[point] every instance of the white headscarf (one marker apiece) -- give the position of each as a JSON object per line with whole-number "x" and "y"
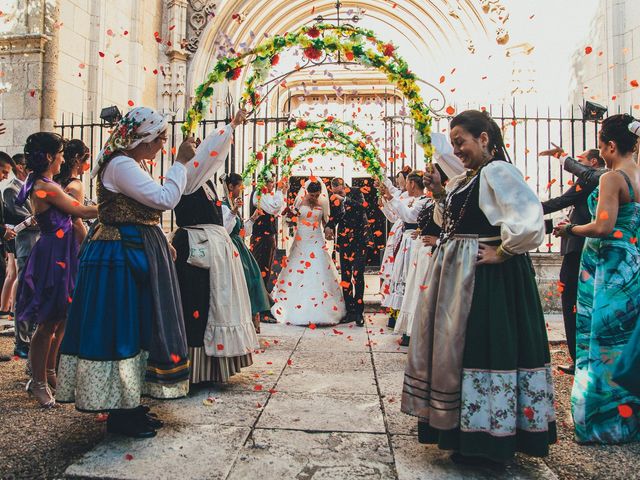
{"x": 139, "y": 125}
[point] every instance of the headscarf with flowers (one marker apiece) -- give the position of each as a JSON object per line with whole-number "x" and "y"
{"x": 139, "y": 125}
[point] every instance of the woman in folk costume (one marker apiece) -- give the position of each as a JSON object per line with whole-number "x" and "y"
{"x": 395, "y": 234}
{"x": 215, "y": 300}
{"x": 478, "y": 375}
{"x": 425, "y": 238}
{"x": 605, "y": 408}
{"x": 125, "y": 334}
{"x": 408, "y": 210}
{"x": 258, "y": 295}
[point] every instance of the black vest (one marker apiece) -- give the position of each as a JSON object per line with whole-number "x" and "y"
{"x": 472, "y": 220}
{"x": 198, "y": 209}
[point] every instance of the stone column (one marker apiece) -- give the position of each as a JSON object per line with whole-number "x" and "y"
{"x": 175, "y": 68}
{"x": 28, "y": 62}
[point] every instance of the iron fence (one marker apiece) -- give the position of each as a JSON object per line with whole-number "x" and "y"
{"x": 526, "y": 133}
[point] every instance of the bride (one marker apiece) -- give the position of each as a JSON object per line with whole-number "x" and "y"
{"x": 308, "y": 289}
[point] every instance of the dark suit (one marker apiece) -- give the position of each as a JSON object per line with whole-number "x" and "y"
{"x": 571, "y": 246}
{"x": 25, "y": 240}
{"x": 353, "y": 235}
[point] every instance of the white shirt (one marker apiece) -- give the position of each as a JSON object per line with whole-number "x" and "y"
{"x": 408, "y": 208}
{"x": 123, "y": 175}
{"x": 209, "y": 158}
{"x": 271, "y": 203}
{"x": 228, "y": 219}
{"x": 508, "y": 202}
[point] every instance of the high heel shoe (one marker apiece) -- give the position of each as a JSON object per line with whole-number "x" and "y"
{"x": 52, "y": 380}
{"x": 41, "y": 392}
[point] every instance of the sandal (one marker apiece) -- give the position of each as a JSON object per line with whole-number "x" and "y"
{"x": 41, "y": 392}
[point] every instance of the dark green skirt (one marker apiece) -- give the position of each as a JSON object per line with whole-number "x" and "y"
{"x": 260, "y": 300}
{"x": 507, "y": 388}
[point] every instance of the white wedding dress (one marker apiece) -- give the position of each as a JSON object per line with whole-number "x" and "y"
{"x": 308, "y": 288}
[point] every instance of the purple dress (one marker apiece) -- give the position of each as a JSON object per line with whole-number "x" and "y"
{"x": 46, "y": 283}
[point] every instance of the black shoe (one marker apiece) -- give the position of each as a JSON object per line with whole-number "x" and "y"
{"x": 152, "y": 419}
{"x": 359, "y": 320}
{"x": 348, "y": 318}
{"x": 129, "y": 424}
{"x": 21, "y": 351}
{"x": 404, "y": 342}
{"x": 568, "y": 369}
{"x": 459, "y": 459}
{"x": 392, "y": 322}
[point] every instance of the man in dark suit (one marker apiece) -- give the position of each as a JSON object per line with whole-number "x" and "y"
{"x": 349, "y": 219}
{"x": 6, "y": 164}
{"x": 588, "y": 169}
{"x": 24, "y": 241}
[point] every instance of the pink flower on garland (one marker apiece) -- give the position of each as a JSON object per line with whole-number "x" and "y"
{"x": 388, "y": 50}
{"x": 289, "y": 143}
{"x": 275, "y": 60}
{"x": 301, "y": 124}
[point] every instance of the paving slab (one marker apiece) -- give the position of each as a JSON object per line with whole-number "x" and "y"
{"x": 387, "y": 342}
{"x": 278, "y": 342}
{"x": 323, "y": 412}
{"x": 208, "y": 406}
{"x": 281, "y": 330}
{"x": 387, "y": 362}
{"x": 331, "y": 362}
{"x": 415, "y": 461}
{"x": 390, "y": 383}
{"x": 196, "y": 451}
{"x": 281, "y": 454}
{"x": 360, "y": 382}
{"x": 269, "y": 360}
{"x": 329, "y": 344}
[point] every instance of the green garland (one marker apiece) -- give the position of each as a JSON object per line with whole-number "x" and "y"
{"x": 354, "y": 43}
{"x": 354, "y": 143}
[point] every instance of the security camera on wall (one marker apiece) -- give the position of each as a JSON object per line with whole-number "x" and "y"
{"x": 593, "y": 111}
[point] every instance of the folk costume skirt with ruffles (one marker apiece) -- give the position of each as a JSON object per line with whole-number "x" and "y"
{"x": 125, "y": 335}
{"x": 217, "y": 309}
{"x": 478, "y": 375}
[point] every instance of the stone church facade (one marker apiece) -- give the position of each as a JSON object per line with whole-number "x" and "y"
{"x": 71, "y": 58}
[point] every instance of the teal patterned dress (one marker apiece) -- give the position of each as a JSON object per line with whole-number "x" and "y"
{"x": 260, "y": 300}
{"x": 608, "y": 309}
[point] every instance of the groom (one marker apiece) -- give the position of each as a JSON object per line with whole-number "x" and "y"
{"x": 349, "y": 220}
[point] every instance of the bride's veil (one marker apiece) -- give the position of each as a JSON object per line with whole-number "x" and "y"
{"x": 323, "y": 200}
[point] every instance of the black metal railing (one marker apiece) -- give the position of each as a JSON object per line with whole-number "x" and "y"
{"x": 526, "y": 133}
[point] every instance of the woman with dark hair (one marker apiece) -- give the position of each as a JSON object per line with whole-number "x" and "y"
{"x": 478, "y": 375}
{"x": 48, "y": 278}
{"x": 125, "y": 335}
{"x": 76, "y": 155}
{"x": 308, "y": 289}
{"x": 608, "y": 305}
{"x": 258, "y": 295}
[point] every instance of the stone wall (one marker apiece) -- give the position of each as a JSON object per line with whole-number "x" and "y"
{"x": 547, "y": 267}
{"x": 607, "y": 72}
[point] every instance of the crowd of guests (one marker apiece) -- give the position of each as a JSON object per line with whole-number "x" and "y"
{"x": 122, "y": 311}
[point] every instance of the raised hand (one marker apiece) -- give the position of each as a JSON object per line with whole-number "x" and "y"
{"x": 556, "y": 151}
{"x": 239, "y": 118}
{"x": 187, "y": 150}
{"x": 432, "y": 179}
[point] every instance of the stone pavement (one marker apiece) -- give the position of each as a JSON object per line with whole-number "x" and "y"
{"x": 318, "y": 403}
